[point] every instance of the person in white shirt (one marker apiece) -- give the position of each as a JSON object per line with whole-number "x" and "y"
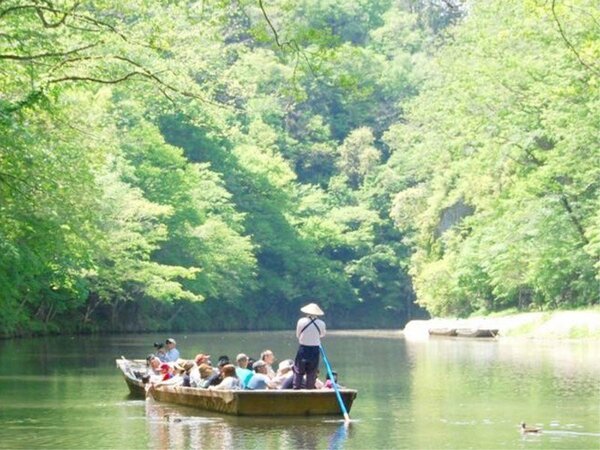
{"x": 172, "y": 376}
{"x": 230, "y": 379}
{"x": 285, "y": 374}
{"x": 309, "y": 332}
{"x": 154, "y": 366}
{"x": 269, "y": 358}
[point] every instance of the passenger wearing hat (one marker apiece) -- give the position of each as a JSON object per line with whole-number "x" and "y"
{"x": 284, "y": 377}
{"x": 260, "y": 379}
{"x": 172, "y": 354}
{"x": 172, "y": 375}
{"x": 217, "y": 375}
{"x": 202, "y": 358}
{"x": 242, "y": 370}
{"x": 190, "y": 373}
{"x": 309, "y": 332}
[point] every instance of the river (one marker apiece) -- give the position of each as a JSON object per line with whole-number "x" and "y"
{"x": 65, "y": 393}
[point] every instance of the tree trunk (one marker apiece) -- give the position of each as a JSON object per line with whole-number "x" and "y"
{"x": 93, "y": 302}
{"x": 176, "y": 313}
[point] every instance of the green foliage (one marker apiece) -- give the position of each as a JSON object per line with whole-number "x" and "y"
{"x": 504, "y": 201}
{"x": 47, "y": 196}
{"x": 358, "y": 156}
{"x": 186, "y": 165}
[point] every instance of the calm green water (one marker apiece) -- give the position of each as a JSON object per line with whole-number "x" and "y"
{"x": 441, "y": 394}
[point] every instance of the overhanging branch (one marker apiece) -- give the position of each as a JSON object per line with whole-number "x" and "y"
{"x": 46, "y": 55}
{"x": 568, "y": 42}
{"x": 96, "y": 80}
{"x": 47, "y": 24}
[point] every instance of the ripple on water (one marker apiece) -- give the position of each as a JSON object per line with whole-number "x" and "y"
{"x": 136, "y": 403}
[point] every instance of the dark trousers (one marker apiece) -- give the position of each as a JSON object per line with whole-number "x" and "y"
{"x": 306, "y": 363}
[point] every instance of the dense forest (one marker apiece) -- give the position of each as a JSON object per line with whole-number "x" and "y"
{"x": 214, "y": 165}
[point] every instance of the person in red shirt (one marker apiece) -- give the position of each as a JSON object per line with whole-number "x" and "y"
{"x": 167, "y": 371}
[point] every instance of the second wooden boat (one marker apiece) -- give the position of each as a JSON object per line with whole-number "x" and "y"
{"x": 477, "y": 332}
{"x": 442, "y": 331}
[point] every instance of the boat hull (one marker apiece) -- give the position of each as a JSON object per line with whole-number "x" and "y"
{"x": 285, "y": 402}
{"x": 476, "y": 332}
{"x": 136, "y": 388}
{"x": 258, "y": 403}
{"x": 442, "y": 331}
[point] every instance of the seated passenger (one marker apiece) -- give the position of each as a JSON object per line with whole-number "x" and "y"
{"x": 329, "y": 384}
{"x": 201, "y": 358}
{"x": 217, "y": 376}
{"x": 189, "y": 367}
{"x": 167, "y": 371}
{"x": 194, "y": 373}
{"x": 260, "y": 379}
{"x": 171, "y": 377}
{"x": 206, "y": 372}
{"x": 230, "y": 380}
{"x": 154, "y": 371}
{"x": 269, "y": 358}
{"x": 318, "y": 383}
{"x": 242, "y": 370}
{"x": 153, "y": 364}
{"x": 250, "y": 367}
{"x": 284, "y": 377}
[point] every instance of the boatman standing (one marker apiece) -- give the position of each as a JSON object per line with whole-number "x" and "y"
{"x": 309, "y": 331}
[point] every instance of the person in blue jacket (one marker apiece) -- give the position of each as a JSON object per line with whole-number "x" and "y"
{"x": 172, "y": 354}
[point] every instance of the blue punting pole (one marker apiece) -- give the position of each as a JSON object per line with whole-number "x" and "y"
{"x": 335, "y": 387}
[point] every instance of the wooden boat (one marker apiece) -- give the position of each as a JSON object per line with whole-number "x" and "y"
{"x": 442, "y": 331}
{"x": 133, "y": 370}
{"x": 241, "y": 402}
{"x": 477, "y": 332}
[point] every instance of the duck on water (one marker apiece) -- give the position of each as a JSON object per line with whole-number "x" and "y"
{"x": 529, "y": 430}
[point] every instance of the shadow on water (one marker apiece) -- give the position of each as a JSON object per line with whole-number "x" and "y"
{"x": 174, "y": 426}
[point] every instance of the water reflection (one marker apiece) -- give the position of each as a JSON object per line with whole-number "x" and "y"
{"x": 443, "y": 393}
{"x": 171, "y": 427}
{"x": 338, "y": 438}
{"x": 178, "y": 427}
{"x": 562, "y": 356}
{"x": 480, "y": 390}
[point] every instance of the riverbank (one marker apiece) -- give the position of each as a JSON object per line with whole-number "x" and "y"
{"x": 578, "y": 324}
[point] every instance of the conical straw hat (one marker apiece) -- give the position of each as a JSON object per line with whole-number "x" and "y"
{"x": 312, "y": 309}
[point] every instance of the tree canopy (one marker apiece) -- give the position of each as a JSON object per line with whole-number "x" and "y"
{"x": 215, "y": 165}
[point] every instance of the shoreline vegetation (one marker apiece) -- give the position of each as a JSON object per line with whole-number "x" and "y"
{"x": 389, "y": 160}
{"x": 571, "y": 324}
{"x": 581, "y": 324}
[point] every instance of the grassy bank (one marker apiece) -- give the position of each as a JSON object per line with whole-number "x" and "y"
{"x": 574, "y": 324}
